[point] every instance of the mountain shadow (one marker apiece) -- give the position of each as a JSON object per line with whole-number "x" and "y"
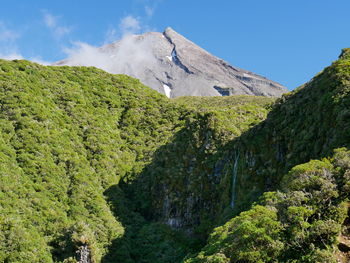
{"x": 195, "y": 183}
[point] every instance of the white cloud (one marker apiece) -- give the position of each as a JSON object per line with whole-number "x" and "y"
{"x": 130, "y": 25}
{"x": 39, "y": 60}
{"x": 149, "y": 10}
{"x": 131, "y": 52}
{"x": 51, "y": 22}
{"x": 8, "y": 47}
{"x": 11, "y": 56}
{"x": 7, "y": 35}
{"x": 15, "y": 55}
{"x": 150, "y": 6}
{"x": 111, "y": 36}
{"x": 61, "y": 31}
{"x": 124, "y": 58}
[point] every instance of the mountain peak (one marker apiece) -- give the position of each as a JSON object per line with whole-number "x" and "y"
{"x": 169, "y": 29}
{"x": 173, "y": 65}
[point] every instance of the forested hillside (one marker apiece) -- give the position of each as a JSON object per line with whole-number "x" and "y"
{"x": 98, "y": 166}
{"x": 301, "y": 220}
{"x": 68, "y": 136}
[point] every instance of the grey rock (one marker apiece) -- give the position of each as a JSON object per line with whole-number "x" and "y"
{"x": 174, "y": 66}
{"x": 84, "y": 254}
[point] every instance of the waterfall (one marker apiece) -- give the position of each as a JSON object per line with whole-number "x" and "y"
{"x": 84, "y": 254}
{"x": 234, "y": 178}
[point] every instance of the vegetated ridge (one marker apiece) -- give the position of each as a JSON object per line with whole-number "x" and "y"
{"x": 68, "y": 136}
{"x": 98, "y": 167}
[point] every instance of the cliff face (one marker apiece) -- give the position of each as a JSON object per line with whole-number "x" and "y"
{"x": 308, "y": 198}
{"x": 303, "y": 125}
{"x": 174, "y": 66}
{"x": 195, "y": 167}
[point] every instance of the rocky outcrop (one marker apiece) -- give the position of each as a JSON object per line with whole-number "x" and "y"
{"x": 84, "y": 254}
{"x": 175, "y": 66}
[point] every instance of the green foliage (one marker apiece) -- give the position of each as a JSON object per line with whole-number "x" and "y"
{"x": 67, "y": 134}
{"x": 93, "y": 159}
{"x": 70, "y": 134}
{"x": 20, "y": 243}
{"x": 160, "y": 244}
{"x": 305, "y": 124}
{"x": 345, "y": 53}
{"x": 251, "y": 237}
{"x": 299, "y": 224}
{"x": 184, "y": 175}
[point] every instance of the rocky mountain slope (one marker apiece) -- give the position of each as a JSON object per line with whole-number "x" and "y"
{"x": 174, "y": 66}
{"x": 99, "y": 167}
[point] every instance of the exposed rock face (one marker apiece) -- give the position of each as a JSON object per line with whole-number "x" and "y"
{"x": 174, "y": 66}
{"x": 83, "y": 254}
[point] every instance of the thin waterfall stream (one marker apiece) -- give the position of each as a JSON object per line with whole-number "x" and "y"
{"x": 234, "y": 179}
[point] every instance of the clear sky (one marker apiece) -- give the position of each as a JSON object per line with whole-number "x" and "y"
{"x": 288, "y": 41}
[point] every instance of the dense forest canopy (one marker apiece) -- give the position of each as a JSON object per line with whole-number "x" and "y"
{"x": 98, "y": 165}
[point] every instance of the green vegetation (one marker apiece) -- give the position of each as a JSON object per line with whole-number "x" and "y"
{"x": 308, "y": 123}
{"x": 68, "y": 136}
{"x": 99, "y": 161}
{"x": 300, "y": 223}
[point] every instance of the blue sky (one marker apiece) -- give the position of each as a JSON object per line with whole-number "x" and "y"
{"x": 288, "y": 41}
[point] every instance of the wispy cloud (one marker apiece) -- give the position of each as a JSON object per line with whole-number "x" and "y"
{"x": 6, "y": 34}
{"x": 39, "y": 60}
{"x": 149, "y": 10}
{"x": 130, "y": 25}
{"x": 150, "y": 6}
{"x": 132, "y": 51}
{"x": 16, "y": 55}
{"x": 8, "y": 45}
{"x": 111, "y": 35}
{"x": 10, "y": 56}
{"x": 52, "y": 22}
